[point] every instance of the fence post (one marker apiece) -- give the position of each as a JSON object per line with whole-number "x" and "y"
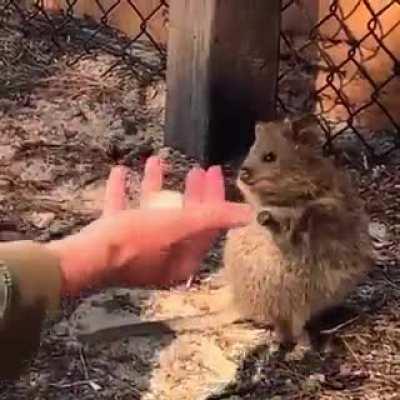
{"x": 222, "y": 74}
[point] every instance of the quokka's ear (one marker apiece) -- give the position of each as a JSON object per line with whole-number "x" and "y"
{"x": 261, "y": 128}
{"x": 304, "y": 129}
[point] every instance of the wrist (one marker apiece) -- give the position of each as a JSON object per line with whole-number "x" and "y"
{"x": 81, "y": 267}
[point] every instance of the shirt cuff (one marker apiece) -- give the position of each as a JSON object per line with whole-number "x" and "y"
{"x": 36, "y": 275}
{"x": 35, "y": 293}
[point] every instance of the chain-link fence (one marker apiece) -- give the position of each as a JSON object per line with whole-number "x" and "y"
{"x": 35, "y": 35}
{"x": 339, "y": 58}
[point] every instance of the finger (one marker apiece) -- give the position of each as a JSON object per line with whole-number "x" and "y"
{"x": 214, "y": 185}
{"x": 115, "y": 195}
{"x": 200, "y": 219}
{"x": 194, "y": 250}
{"x": 180, "y": 224}
{"x": 164, "y": 227}
{"x": 194, "y": 187}
{"x": 152, "y": 179}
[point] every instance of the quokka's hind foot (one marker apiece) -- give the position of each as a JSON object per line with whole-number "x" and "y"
{"x": 301, "y": 348}
{"x": 293, "y": 339}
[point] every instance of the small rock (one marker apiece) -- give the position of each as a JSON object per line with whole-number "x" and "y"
{"x": 58, "y": 229}
{"x": 61, "y": 329}
{"x": 42, "y": 220}
{"x": 377, "y": 171}
{"x": 311, "y": 384}
{"x": 317, "y": 378}
{"x": 377, "y": 231}
{"x": 95, "y": 386}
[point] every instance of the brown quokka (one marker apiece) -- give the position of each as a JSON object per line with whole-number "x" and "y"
{"x": 309, "y": 245}
{"x": 305, "y": 251}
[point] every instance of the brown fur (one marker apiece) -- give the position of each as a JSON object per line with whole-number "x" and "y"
{"x": 321, "y": 250}
{"x": 311, "y": 253}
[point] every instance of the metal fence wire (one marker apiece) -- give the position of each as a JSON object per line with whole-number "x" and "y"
{"x": 40, "y": 32}
{"x": 326, "y": 65}
{"x": 349, "y": 49}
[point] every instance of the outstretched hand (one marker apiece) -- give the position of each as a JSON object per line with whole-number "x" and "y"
{"x": 201, "y": 187}
{"x": 145, "y": 246}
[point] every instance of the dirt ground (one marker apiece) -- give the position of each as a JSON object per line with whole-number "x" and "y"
{"x": 60, "y": 134}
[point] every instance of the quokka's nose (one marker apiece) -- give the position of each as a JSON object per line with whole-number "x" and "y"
{"x": 245, "y": 174}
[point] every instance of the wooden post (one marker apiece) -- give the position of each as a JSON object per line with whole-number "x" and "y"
{"x": 222, "y": 75}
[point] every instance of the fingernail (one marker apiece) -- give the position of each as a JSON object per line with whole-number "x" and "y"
{"x": 215, "y": 170}
{"x": 119, "y": 168}
{"x": 119, "y": 171}
{"x": 196, "y": 171}
{"x": 152, "y": 163}
{"x": 153, "y": 160}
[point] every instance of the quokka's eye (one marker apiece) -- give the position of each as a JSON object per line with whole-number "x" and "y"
{"x": 269, "y": 157}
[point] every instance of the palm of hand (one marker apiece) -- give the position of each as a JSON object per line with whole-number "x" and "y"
{"x": 177, "y": 259}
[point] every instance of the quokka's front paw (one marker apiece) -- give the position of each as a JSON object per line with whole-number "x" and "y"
{"x": 267, "y": 220}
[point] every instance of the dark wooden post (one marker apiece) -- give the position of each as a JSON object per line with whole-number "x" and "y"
{"x": 222, "y": 74}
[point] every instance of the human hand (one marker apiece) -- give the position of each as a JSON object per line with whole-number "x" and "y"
{"x": 200, "y": 186}
{"x": 148, "y": 246}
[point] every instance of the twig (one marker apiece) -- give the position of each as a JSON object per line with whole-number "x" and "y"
{"x": 84, "y": 366}
{"x": 340, "y": 326}
{"x": 355, "y": 356}
{"x": 72, "y": 384}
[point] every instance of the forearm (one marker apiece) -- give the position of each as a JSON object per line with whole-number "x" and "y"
{"x": 36, "y": 281}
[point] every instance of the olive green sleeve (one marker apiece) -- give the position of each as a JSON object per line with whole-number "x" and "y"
{"x": 35, "y": 287}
